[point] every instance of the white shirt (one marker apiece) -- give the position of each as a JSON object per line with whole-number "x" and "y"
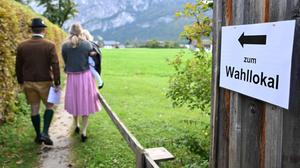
{"x": 38, "y": 35}
{"x": 91, "y": 61}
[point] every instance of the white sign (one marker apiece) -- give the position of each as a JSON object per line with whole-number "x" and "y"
{"x": 54, "y": 96}
{"x": 256, "y": 60}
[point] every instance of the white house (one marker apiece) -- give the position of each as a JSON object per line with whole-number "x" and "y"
{"x": 111, "y": 44}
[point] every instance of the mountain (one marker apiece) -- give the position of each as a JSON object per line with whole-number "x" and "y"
{"x": 130, "y": 20}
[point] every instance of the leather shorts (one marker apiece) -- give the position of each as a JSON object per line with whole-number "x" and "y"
{"x": 37, "y": 91}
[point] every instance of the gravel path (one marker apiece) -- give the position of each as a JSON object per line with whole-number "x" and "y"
{"x": 58, "y": 155}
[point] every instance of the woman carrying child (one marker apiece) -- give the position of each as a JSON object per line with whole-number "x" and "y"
{"x": 81, "y": 97}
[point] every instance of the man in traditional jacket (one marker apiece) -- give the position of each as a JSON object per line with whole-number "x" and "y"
{"x": 37, "y": 69}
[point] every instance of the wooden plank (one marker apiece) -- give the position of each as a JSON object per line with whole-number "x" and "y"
{"x": 129, "y": 138}
{"x": 235, "y": 111}
{"x": 293, "y": 9}
{"x": 238, "y": 16}
{"x": 251, "y": 116}
{"x": 235, "y": 134}
{"x": 223, "y": 139}
{"x": 274, "y": 115}
{"x": 266, "y": 10}
{"x": 253, "y": 12}
{"x": 252, "y": 110}
{"x": 228, "y": 14}
{"x": 282, "y": 9}
{"x": 224, "y": 96}
{"x": 245, "y": 113}
{"x": 159, "y": 154}
{"x": 140, "y": 160}
{"x": 262, "y": 135}
{"x": 274, "y": 123}
{"x": 150, "y": 163}
{"x": 215, "y": 125}
{"x": 296, "y": 4}
{"x": 280, "y": 139}
{"x": 291, "y": 118}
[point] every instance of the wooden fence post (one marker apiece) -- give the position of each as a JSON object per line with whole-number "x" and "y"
{"x": 1, "y": 118}
{"x": 140, "y": 159}
{"x": 247, "y": 132}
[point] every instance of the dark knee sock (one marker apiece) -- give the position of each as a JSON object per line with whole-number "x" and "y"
{"x": 36, "y": 124}
{"x": 47, "y": 120}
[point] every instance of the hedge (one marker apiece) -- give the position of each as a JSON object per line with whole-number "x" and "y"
{"x": 15, "y": 19}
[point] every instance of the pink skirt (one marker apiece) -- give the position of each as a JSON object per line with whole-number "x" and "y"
{"x": 81, "y": 97}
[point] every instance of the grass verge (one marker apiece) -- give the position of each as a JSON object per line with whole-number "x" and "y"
{"x": 17, "y": 147}
{"x": 135, "y": 84}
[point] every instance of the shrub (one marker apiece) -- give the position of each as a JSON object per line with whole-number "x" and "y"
{"x": 190, "y": 84}
{"x": 14, "y": 28}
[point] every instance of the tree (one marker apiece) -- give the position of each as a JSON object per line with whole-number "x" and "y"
{"x": 58, "y": 11}
{"x": 190, "y": 85}
{"x": 202, "y": 24}
{"x": 152, "y": 44}
{"x": 171, "y": 44}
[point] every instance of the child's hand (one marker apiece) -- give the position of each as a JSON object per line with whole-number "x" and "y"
{"x": 93, "y": 53}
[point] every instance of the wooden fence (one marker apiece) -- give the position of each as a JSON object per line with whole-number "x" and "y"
{"x": 1, "y": 118}
{"x": 145, "y": 158}
{"x": 248, "y": 133}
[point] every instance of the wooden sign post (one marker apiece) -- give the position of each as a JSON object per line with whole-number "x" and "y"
{"x": 247, "y": 132}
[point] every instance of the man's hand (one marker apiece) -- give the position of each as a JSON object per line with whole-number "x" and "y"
{"x": 22, "y": 86}
{"x": 57, "y": 88}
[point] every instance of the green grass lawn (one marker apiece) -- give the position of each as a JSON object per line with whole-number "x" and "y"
{"x": 136, "y": 81}
{"x": 17, "y": 148}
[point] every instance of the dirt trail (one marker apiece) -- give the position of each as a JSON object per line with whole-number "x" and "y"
{"x": 58, "y": 155}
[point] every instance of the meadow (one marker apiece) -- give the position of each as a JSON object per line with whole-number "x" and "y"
{"x": 135, "y": 84}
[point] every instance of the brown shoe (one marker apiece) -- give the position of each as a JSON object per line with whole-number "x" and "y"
{"x": 46, "y": 139}
{"x": 38, "y": 140}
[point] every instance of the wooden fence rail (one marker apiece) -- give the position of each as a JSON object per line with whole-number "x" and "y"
{"x": 145, "y": 158}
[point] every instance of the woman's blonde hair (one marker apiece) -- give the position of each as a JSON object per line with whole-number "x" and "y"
{"x": 87, "y": 35}
{"x": 75, "y": 35}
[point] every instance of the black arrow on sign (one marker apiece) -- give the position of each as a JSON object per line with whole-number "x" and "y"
{"x": 253, "y": 39}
